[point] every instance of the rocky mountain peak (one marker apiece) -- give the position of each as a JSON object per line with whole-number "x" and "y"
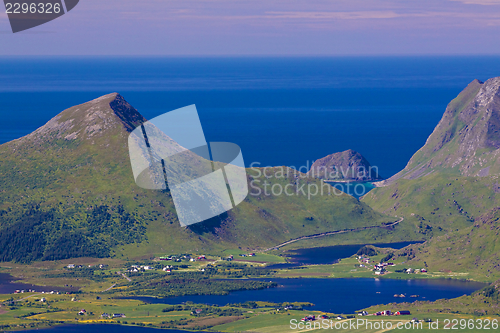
{"x": 467, "y": 139}
{"x": 91, "y": 120}
{"x": 345, "y": 165}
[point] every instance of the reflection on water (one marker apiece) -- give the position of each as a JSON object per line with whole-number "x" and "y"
{"x": 338, "y": 295}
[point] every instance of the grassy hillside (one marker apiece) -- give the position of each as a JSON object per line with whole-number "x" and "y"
{"x": 68, "y": 191}
{"x": 474, "y": 251}
{"x": 437, "y": 203}
{"x": 453, "y": 178}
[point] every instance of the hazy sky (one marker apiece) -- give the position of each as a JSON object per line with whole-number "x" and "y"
{"x": 263, "y": 27}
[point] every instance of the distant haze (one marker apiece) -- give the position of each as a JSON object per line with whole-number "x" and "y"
{"x": 263, "y": 27}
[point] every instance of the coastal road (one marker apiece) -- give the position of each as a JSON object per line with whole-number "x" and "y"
{"x": 333, "y": 233}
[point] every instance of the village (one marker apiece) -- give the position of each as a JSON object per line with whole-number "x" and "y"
{"x": 378, "y": 266}
{"x": 381, "y": 268}
{"x": 362, "y": 313}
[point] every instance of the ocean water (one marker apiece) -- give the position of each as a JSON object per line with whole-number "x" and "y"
{"x": 280, "y": 111}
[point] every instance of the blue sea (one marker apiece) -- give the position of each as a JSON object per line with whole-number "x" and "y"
{"x": 280, "y": 111}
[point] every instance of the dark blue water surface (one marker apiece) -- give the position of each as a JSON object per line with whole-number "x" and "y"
{"x": 108, "y": 328}
{"x": 338, "y": 295}
{"x": 330, "y": 254}
{"x": 281, "y": 111}
{"x": 8, "y": 285}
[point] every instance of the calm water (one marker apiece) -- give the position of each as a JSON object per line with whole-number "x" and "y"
{"x": 356, "y": 189}
{"x": 338, "y": 295}
{"x": 8, "y": 286}
{"x": 281, "y": 111}
{"x": 330, "y": 254}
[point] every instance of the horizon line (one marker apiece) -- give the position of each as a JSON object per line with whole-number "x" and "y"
{"x": 374, "y": 55}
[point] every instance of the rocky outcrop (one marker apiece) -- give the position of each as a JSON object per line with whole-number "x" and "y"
{"x": 346, "y": 165}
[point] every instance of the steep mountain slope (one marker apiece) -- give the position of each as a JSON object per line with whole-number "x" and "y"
{"x": 68, "y": 191}
{"x": 467, "y": 139}
{"x": 453, "y": 178}
{"x": 345, "y": 165}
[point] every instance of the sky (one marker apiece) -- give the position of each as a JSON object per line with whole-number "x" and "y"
{"x": 263, "y": 27}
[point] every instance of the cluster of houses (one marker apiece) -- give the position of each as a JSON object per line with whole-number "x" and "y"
{"x": 114, "y": 315}
{"x": 230, "y": 257}
{"x": 22, "y": 291}
{"x": 309, "y": 318}
{"x": 186, "y": 257}
{"x": 362, "y": 313}
{"x": 137, "y": 268}
{"x": 381, "y": 268}
{"x": 412, "y": 271}
{"x": 286, "y": 308}
{"x": 71, "y": 266}
{"x": 312, "y": 318}
{"x": 364, "y": 259}
{"x": 390, "y": 313}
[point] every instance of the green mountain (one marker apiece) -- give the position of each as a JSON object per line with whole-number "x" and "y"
{"x": 453, "y": 178}
{"x": 345, "y": 165}
{"x": 466, "y": 141}
{"x": 68, "y": 191}
{"x": 449, "y": 189}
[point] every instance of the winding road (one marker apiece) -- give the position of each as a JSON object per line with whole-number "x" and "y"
{"x": 333, "y": 233}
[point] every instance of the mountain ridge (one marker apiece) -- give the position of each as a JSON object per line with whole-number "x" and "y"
{"x": 71, "y": 179}
{"x": 466, "y": 140}
{"x": 453, "y": 179}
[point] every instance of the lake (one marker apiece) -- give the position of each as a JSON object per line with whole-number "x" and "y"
{"x": 101, "y": 328}
{"x": 9, "y": 286}
{"x": 337, "y": 295}
{"x": 330, "y": 254}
